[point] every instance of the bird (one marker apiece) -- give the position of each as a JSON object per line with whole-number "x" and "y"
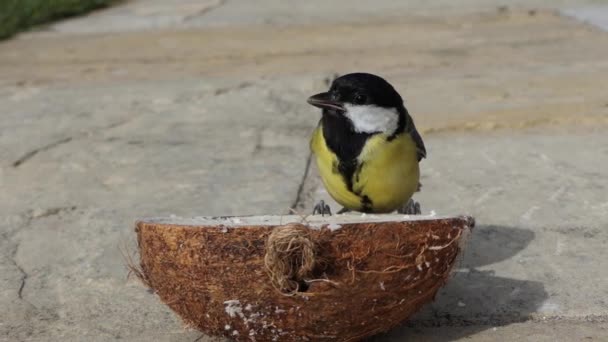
{"x": 366, "y": 146}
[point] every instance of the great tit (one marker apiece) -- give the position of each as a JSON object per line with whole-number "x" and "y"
{"x": 366, "y": 146}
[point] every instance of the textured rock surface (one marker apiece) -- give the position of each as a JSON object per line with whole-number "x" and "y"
{"x": 198, "y": 108}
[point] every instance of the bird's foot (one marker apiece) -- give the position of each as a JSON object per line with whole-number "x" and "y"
{"x": 410, "y": 208}
{"x": 343, "y": 210}
{"x": 321, "y": 208}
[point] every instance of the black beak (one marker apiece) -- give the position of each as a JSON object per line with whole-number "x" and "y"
{"x": 324, "y": 101}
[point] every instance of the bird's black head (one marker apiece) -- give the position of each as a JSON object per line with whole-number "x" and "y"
{"x": 367, "y": 101}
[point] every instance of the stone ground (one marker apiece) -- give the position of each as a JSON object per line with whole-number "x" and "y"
{"x": 198, "y": 108}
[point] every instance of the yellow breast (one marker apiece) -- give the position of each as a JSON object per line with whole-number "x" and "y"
{"x": 388, "y": 174}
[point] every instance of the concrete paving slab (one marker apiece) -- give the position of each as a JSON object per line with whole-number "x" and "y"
{"x": 484, "y": 71}
{"x": 596, "y": 15}
{"x": 530, "y": 332}
{"x": 198, "y": 108}
{"x": 112, "y": 144}
{"x": 138, "y": 15}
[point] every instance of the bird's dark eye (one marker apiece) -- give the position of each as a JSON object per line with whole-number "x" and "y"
{"x": 359, "y": 99}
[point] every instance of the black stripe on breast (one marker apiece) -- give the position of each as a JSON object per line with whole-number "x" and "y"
{"x": 344, "y": 142}
{"x": 366, "y": 204}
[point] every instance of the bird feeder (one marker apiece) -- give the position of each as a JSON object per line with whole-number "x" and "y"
{"x": 284, "y": 278}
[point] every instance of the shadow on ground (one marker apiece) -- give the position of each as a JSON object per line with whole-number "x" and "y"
{"x": 475, "y": 300}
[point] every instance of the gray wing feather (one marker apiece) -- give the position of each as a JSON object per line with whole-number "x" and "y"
{"x": 419, "y": 144}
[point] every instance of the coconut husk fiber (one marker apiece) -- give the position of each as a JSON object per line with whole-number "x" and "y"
{"x": 341, "y": 278}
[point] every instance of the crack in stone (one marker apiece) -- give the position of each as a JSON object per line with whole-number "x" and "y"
{"x": 27, "y": 156}
{"x": 118, "y": 123}
{"x": 242, "y": 85}
{"x": 49, "y": 212}
{"x": 297, "y": 202}
{"x": 206, "y": 10}
{"x": 200, "y": 338}
{"x": 257, "y": 148}
{"x": 29, "y": 217}
{"x": 23, "y": 278}
{"x": 30, "y": 154}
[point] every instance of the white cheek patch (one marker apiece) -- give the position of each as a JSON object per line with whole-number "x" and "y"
{"x": 372, "y": 119}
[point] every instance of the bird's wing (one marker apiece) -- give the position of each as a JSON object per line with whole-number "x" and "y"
{"x": 420, "y": 149}
{"x": 410, "y": 128}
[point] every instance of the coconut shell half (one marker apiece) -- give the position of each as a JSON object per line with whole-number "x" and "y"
{"x": 284, "y": 278}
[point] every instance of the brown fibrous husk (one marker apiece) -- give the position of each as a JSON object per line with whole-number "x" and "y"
{"x": 295, "y": 283}
{"x": 290, "y": 258}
